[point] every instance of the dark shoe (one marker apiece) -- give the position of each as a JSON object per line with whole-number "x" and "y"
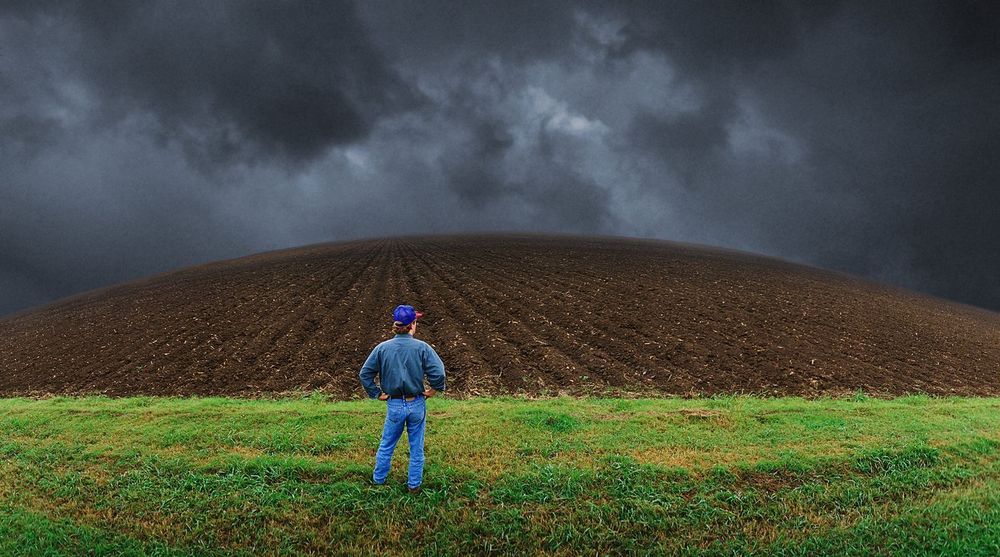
{"x": 414, "y": 490}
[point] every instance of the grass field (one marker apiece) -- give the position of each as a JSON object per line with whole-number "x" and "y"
{"x": 719, "y": 476}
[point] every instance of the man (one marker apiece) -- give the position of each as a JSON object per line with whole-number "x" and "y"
{"x": 401, "y": 363}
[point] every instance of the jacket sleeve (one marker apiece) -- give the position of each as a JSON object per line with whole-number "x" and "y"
{"x": 433, "y": 368}
{"x": 371, "y": 367}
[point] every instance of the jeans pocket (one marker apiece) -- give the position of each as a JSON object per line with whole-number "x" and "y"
{"x": 395, "y": 414}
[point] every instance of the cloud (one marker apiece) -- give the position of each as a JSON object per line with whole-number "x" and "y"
{"x": 144, "y": 136}
{"x": 229, "y": 81}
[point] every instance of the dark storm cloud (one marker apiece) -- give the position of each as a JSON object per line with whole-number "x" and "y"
{"x": 233, "y": 79}
{"x": 439, "y": 33}
{"x": 143, "y": 136}
{"x": 688, "y": 143}
{"x": 549, "y": 187}
{"x": 717, "y": 37}
{"x": 898, "y": 114}
{"x": 895, "y": 115}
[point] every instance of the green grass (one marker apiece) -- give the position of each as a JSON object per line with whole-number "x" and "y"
{"x": 717, "y": 476}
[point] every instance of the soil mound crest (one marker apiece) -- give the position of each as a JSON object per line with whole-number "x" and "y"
{"x": 508, "y": 314}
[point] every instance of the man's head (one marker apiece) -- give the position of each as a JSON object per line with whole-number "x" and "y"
{"x": 404, "y": 319}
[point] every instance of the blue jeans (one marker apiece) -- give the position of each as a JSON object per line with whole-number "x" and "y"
{"x": 401, "y": 412}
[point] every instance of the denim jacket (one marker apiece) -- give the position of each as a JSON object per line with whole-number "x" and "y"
{"x": 401, "y": 364}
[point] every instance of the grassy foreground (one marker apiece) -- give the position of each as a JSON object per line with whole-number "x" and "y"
{"x": 720, "y": 476}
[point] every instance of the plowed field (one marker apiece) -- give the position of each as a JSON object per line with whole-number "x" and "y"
{"x": 508, "y": 314}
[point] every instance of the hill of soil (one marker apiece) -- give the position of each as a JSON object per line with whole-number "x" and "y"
{"x": 508, "y": 314}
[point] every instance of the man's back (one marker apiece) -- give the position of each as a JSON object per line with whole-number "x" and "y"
{"x": 401, "y": 363}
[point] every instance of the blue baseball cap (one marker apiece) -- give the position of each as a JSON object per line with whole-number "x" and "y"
{"x": 405, "y": 314}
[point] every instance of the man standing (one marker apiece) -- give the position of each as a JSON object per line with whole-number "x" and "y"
{"x": 401, "y": 363}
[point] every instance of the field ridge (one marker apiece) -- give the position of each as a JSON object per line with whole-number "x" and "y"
{"x": 509, "y": 314}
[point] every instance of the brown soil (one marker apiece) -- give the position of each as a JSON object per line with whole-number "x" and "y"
{"x": 508, "y": 314}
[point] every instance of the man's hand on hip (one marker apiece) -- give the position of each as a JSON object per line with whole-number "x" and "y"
{"x": 429, "y": 393}
{"x": 383, "y": 396}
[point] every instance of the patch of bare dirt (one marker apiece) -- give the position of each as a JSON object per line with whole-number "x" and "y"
{"x": 509, "y": 314}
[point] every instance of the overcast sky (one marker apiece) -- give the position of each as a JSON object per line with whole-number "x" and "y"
{"x": 139, "y": 137}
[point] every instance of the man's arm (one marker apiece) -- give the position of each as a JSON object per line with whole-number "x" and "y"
{"x": 368, "y": 370}
{"x": 433, "y": 370}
